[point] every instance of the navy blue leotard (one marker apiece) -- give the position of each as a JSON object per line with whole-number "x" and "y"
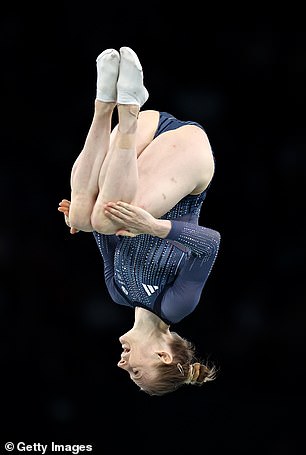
{"x": 165, "y": 276}
{"x": 168, "y": 122}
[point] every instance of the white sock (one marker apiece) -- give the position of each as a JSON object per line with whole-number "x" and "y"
{"x": 107, "y": 75}
{"x": 130, "y": 88}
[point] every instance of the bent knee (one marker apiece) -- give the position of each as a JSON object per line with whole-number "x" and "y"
{"x": 80, "y": 222}
{"x": 80, "y": 215}
{"x": 100, "y": 223}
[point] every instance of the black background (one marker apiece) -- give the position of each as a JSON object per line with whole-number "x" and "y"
{"x": 243, "y": 78}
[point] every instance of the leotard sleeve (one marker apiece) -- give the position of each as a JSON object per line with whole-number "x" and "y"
{"x": 202, "y": 246}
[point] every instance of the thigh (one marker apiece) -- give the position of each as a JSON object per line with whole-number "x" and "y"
{"x": 176, "y": 163}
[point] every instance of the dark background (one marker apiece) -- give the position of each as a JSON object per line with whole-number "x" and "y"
{"x": 244, "y": 80}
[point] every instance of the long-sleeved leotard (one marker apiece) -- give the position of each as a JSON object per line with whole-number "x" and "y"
{"x": 167, "y": 278}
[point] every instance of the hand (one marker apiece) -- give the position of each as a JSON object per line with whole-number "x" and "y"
{"x": 135, "y": 220}
{"x": 64, "y": 207}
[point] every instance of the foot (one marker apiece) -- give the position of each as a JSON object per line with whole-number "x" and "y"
{"x": 130, "y": 88}
{"x": 107, "y": 75}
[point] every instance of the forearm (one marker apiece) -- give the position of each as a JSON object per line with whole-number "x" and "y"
{"x": 203, "y": 245}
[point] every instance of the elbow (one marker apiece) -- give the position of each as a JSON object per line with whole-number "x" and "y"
{"x": 214, "y": 244}
{"x": 215, "y": 239}
{"x": 218, "y": 238}
{"x": 217, "y": 242}
{"x": 101, "y": 223}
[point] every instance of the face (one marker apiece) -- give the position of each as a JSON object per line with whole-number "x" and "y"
{"x": 138, "y": 358}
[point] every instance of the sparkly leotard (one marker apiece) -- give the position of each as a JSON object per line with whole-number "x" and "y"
{"x": 165, "y": 276}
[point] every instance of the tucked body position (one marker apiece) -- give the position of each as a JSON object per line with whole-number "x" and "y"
{"x": 138, "y": 188}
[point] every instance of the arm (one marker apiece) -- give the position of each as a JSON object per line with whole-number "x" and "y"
{"x": 203, "y": 244}
{"x": 192, "y": 237}
{"x": 200, "y": 243}
{"x": 199, "y": 240}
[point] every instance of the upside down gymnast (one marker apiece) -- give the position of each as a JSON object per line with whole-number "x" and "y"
{"x": 139, "y": 188}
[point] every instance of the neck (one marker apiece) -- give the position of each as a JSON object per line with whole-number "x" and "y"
{"x": 145, "y": 319}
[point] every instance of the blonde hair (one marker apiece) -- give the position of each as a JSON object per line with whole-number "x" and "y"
{"x": 185, "y": 369}
{"x": 198, "y": 373}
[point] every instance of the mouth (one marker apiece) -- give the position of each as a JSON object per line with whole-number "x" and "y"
{"x": 126, "y": 349}
{"x": 124, "y": 355}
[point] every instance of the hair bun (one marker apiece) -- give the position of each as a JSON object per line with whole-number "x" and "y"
{"x": 199, "y": 373}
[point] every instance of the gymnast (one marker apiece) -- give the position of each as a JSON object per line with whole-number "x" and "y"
{"x": 139, "y": 188}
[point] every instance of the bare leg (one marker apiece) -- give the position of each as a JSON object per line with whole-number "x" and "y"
{"x": 110, "y": 168}
{"x": 86, "y": 170}
{"x": 118, "y": 179}
{"x": 175, "y": 164}
{"x": 119, "y": 174}
{"x": 169, "y": 167}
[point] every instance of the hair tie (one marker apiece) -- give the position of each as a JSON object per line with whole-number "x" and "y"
{"x": 190, "y": 374}
{"x": 180, "y": 368}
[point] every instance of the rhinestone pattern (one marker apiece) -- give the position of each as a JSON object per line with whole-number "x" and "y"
{"x": 150, "y": 260}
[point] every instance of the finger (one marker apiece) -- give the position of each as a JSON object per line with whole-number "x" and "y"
{"x": 124, "y": 210}
{"x": 64, "y": 203}
{"x": 63, "y": 207}
{"x": 126, "y": 206}
{"x": 63, "y": 210}
{"x": 122, "y": 206}
{"x": 113, "y": 217}
{"x": 115, "y": 214}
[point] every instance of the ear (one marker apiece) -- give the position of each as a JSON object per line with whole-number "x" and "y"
{"x": 166, "y": 357}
